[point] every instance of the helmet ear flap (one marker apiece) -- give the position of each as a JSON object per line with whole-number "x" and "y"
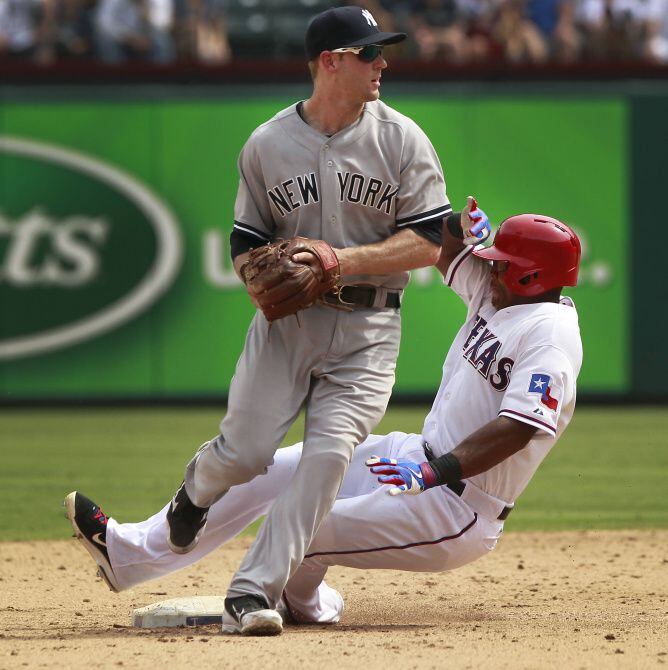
{"x": 525, "y": 281}
{"x": 528, "y": 278}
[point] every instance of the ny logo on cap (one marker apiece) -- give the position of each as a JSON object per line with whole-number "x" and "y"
{"x": 369, "y": 18}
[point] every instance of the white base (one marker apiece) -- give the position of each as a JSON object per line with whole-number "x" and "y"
{"x": 195, "y": 611}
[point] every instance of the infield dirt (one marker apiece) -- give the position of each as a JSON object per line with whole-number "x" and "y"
{"x": 540, "y": 600}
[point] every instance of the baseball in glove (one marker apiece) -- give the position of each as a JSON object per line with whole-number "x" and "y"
{"x": 279, "y": 285}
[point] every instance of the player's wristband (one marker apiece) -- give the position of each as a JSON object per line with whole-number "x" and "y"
{"x": 454, "y": 224}
{"x": 429, "y": 479}
{"x": 447, "y": 469}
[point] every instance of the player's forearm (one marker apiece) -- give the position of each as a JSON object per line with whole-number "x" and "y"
{"x": 238, "y": 262}
{"x": 404, "y": 251}
{"x": 452, "y": 242}
{"x": 493, "y": 443}
{"x": 486, "y": 447}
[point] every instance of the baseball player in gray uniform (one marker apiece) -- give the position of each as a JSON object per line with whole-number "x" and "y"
{"x": 515, "y": 361}
{"x": 345, "y": 168}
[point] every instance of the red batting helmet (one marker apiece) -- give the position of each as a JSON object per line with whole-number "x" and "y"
{"x": 542, "y": 253}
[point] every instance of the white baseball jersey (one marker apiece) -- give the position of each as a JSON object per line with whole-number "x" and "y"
{"x": 359, "y": 186}
{"x": 521, "y": 362}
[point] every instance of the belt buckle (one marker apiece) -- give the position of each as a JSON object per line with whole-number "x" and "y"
{"x": 338, "y": 302}
{"x": 345, "y": 303}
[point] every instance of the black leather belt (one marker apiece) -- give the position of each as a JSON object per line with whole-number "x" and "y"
{"x": 362, "y": 296}
{"x": 459, "y": 486}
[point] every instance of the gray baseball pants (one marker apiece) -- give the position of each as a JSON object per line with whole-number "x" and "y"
{"x": 339, "y": 366}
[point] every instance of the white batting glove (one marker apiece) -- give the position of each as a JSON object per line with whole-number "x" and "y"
{"x": 475, "y": 223}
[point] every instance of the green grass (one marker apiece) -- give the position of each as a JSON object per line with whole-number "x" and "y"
{"x": 608, "y": 471}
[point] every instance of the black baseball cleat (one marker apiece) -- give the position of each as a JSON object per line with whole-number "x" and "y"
{"x": 90, "y": 527}
{"x": 186, "y": 522}
{"x": 251, "y": 615}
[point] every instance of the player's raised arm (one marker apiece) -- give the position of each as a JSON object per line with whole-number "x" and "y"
{"x": 469, "y": 227}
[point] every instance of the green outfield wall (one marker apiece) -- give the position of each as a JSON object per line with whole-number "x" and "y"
{"x": 115, "y": 278}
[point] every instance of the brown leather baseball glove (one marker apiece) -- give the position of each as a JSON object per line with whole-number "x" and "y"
{"x": 280, "y": 286}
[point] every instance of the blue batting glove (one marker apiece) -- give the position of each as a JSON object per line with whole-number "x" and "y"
{"x": 406, "y": 477}
{"x": 475, "y": 223}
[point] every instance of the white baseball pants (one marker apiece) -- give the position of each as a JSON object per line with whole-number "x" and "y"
{"x": 366, "y": 528}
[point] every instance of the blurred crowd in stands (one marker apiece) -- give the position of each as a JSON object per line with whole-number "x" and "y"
{"x": 216, "y": 31}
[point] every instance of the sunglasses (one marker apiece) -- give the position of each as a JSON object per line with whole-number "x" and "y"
{"x": 367, "y": 54}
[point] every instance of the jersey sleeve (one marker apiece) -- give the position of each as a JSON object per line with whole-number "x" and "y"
{"x": 421, "y": 198}
{"x": 252, "y": 213}
{"x": 468, "y": 277}
{"x": 541, "y": 383}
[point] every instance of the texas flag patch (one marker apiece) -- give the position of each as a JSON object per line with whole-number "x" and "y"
{"x": 540, "y": 383}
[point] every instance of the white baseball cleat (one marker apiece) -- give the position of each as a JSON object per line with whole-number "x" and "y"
{"x": 250, "y": 615}
{"x": 325, "y": 608}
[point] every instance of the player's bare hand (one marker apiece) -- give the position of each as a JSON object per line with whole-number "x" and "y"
{"x": 407, "y": 477}
{"x": 475, "y": 223}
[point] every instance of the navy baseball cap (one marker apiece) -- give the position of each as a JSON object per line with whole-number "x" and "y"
{"x": 340, "y": 27}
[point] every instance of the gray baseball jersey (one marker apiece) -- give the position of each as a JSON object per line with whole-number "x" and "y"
{"x": 359, "y": 186}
